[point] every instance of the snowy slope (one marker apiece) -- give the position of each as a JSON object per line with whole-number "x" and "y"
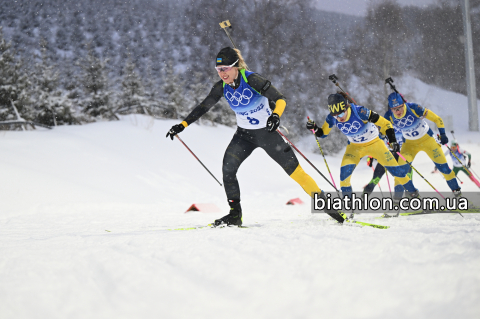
{"x": 84, "y": 234}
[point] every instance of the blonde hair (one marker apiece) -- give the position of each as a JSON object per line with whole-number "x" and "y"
{"x": 241, "y": 62}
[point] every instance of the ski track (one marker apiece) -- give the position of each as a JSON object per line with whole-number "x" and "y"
{"x": 85, "y": 220}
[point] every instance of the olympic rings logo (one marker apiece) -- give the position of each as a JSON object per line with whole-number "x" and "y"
{"x": 403, "y": 122}
{"x": 236, "y": 98}
{"x": 348, "y": 128}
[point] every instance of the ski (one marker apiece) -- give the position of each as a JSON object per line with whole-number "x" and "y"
{"x": 366, "y": 224}
{"x": 419, "y": 212}
{"x": 207, "y": 226}
{"x": 359, "y": 223}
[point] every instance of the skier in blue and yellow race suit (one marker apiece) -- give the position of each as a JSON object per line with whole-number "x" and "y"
{"x": 409, "y": 118}
{"x": 248, "y": 95}
{"x": 360, "y": 125}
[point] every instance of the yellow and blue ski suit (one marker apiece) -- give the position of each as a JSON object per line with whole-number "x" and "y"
{"x": 419, "y": 137}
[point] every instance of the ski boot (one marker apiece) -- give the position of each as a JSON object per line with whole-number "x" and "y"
{"x": 337, "y": 215}
{"x": 234, "y": 218}
{"x": 457, "y": 192}
{"x": 415, "y": 194}
{"x": 396, "y": 202}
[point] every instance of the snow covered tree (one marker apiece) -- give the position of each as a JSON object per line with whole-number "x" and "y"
{"x": 52, "y": 106}
{"x": 14, "y": 85}
{"x": 133, "y": 99}
{"x": 95, "y": 84}
{"x": 172, "y": 99}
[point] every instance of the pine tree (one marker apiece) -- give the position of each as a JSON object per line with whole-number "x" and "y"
{"x": 172, "y": 99}
{"x": 133, "y": 92}
{"x": 95, "y": 84}
{"x": 52, "y": 107}
{"x": 14, "y": 85}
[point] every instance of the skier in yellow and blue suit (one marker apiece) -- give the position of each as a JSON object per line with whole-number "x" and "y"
{"x": 409, "y": 118}
{"x": 360, "y": 125}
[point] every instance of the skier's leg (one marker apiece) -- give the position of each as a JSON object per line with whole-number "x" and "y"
{"x": 282, "y": 153}
{"x": 377, "y": 175}
{"x": 398, "y": 188}
{"x": 350, "y": 160}
{"x": 400, "y": 169}
{"x": 237, "y": 151}
{"x": 434, "y": 151}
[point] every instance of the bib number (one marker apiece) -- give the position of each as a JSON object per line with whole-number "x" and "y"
{"x": 253, "y": 121}
{"x": 413, "y": 134}
{"x": 359, "y": 139}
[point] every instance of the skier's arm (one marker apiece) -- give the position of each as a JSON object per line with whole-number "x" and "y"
{"x": 265, "y": 88}
{"x": 326, "y": 127}
{"x": 384, "y": 125}
{"x": 212, "y": 98}
{"x": 429, "y": 115}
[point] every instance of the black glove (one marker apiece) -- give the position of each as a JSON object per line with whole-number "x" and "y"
{"x": 395, "y": 147}
{"x": 175, "y": 130}
{"x": 443, "y": 139}
{"x": 469, "y": 164}
{"x": 273, "y": 122}
{"x": 312, "y": 126}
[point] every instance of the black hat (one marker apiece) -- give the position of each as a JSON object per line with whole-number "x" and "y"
{"x": 337, "y": 104}
{"x": 227, "y": 56}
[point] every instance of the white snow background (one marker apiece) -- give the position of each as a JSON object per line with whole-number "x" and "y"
{"x": 86, "y": 212}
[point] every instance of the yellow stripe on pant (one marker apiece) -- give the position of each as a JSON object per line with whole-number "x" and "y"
{"x": 377, "y": 149}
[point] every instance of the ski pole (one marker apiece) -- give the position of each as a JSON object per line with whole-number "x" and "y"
{"x": 307, "y": 160}
{"x": 334, "y": 79}
{"x": 388, "y": 182}
{"x": 459, "y": 179}
{"x": 321, "y": 151}
{"x": 197, "y": 158}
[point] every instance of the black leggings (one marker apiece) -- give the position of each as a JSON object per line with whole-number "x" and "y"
{"x": 242, "y": 145}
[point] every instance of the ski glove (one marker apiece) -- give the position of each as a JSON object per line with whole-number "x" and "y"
{"x": 273, "y": 122}
{"x": 312, "y": 126}
{"x": 175, "y": 130}
{"x": 469, "y": 164}
{"x": 395, "y": 147}
{"x": 443, "y": 139}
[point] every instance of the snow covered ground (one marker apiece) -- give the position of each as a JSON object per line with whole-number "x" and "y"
{"x": 85, "y": 213}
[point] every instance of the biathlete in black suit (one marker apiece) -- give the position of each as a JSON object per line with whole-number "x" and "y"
{"x": 248, "y": 95}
